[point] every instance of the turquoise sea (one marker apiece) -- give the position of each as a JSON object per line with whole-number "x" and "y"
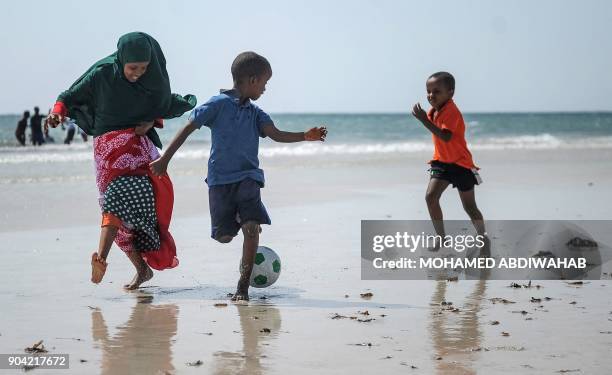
{"x": 362, "y": 134}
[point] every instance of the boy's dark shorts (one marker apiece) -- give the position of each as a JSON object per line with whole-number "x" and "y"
{"x": 461, "y": 178}
{"x": 233, "y": 204}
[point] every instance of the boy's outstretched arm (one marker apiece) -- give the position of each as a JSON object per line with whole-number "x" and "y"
{"x": 421, "y": 115}
{"x": 314, "y": 134}
{"x": 159, "y": 166}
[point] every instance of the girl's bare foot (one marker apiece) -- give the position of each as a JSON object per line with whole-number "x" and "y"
{"x": 98, "y": 268}
{"x": 141, "y": 276}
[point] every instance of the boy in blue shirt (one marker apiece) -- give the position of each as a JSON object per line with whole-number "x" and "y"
{"x": 234, "y": 177}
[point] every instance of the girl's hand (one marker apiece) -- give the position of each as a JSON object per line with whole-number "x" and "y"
{"x": 143, "y": 128}
{"x": 419, "y": 113}
{"x": 316, "y": 134}
{"x": 158, "y": 167}
{"x": 53, "y": 120}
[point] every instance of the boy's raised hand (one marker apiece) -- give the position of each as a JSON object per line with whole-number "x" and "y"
{"x": 419, "y": 112}
{"x": 316, "y": 134}
{"x": 159, "y": 167}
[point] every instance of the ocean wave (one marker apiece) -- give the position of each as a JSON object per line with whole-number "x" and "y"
{"x": 540, "y": 141}
{"x": 536, "y": 142}
{"x": 46, "y": 154}
{"x": 194, "y": 151}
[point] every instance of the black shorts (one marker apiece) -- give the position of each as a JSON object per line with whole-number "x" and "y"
{"x": 462, "y": 178}
{"x": 233, "y": 204}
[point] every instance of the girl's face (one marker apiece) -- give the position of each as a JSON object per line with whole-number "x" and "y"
{"x": 132, "y": 71}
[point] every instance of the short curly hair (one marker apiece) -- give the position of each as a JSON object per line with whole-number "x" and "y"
{"x": 446, "y": 78}
{"x": 249, "y": 64}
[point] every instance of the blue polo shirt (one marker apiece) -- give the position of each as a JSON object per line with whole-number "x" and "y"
{"x": 235, "y": 131}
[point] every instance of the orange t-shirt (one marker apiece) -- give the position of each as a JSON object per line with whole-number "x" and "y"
{"x": 454, "y": 151}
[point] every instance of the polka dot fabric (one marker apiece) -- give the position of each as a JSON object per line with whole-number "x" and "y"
{"x": 131, "y": 199}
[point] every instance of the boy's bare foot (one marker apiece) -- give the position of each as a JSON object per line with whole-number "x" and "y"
{"x": 140, "y": 277}
{"x": 437, "y": 245}
{"x": 242, "y": 292}
{"x": 240, "y": 296}
{"x": 485, "y": 252}
{"x": 98, "y": 268}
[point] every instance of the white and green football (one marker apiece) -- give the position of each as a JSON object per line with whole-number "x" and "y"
{"x": 266, "y": 268}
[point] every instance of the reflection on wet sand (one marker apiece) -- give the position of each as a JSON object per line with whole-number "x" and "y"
{"x": 259, "y": 323}
{"x": 143, "y": 344}
{"x": 455, "y": 334}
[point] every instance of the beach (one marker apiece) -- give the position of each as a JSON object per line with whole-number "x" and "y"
{"x": 358, "y": 113}
{"x": 313, "y": 320}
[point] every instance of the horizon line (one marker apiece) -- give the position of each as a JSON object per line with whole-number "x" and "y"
{"x": 570, "y": 112}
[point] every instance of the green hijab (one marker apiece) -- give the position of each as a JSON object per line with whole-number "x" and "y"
{"x": 103, "y": 100}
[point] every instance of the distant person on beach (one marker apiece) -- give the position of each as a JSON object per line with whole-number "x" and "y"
{"x": 83, "y": 134}
{"x": 21, "y": 128}
{"x": 234, "y": 177}
{"x": 452, "y": 161}
{"x": 36, "y": 126}
{"x": 70, "y": 127}
{"x": 119, "y": 101}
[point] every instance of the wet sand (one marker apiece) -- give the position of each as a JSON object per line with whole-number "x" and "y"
{"x": 316, "y": 205}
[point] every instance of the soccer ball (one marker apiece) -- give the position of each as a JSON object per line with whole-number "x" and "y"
{"x": 266, "y": 268}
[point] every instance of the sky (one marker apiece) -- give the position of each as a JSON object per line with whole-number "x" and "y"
{"x": 328, "y": 56}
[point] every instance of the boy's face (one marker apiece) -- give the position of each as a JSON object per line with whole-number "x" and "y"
{"x": 257, "y": 85}
{"x": 438, "y": 93}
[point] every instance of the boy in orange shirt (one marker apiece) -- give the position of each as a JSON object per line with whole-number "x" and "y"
{"x": 452, "y": 161}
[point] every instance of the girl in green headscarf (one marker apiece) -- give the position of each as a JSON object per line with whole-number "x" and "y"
{"x": 128, "y": 88}
{"x": 119, "y": 100}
